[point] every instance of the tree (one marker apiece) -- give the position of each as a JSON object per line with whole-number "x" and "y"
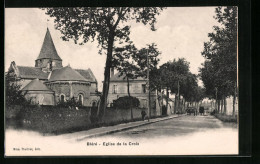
{"x": 124, "y": 63}
{"x": 13, "y": 93}
{"x": 151, "y": 53}
{"x": 221, "y": 56}
{"x": 156, "y": 84}
{"x": 146, "y": 60}
{"x": 189, "y": 87}
{"x": 173, "y": 74}
{"x": 106, "y": 25}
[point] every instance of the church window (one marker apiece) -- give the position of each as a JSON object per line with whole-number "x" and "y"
{"x": 62, "y": 98}
{"x": 93, "y": 104}
{"x": 80, "y": 99}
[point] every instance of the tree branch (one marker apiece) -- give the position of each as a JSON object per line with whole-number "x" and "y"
{"x": 120, "y": 15}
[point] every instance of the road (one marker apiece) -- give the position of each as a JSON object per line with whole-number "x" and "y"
{"x": 182, "y": 126}
{"x": 185, "y": 135}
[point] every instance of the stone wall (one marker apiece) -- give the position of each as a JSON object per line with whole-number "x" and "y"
{"x": 93, "y": 87}
{"x": 43, "y": 63}
{"x": 40, "y": 97}
{"x": 113, "y": 115}
{"x": 77, "y": 88}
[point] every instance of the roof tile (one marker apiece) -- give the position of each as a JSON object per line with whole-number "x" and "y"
{"x": 48, "y": 50}
{"x": 66, "y": 74}
{"x": 36, "y": 85}
{"x": 32, "y": 73}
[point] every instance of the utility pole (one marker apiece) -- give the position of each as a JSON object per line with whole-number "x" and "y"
{"x": 216, "y": 99}
{"x": 148, "y": 87}
{"x": 178, "y": 103}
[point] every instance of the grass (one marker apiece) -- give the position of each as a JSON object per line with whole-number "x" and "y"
{"x": 226, "y": 118}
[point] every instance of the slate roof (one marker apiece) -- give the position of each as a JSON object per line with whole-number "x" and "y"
{"x": 87, "y": 74}
{"x": 116, "y": 77}
{"x": 36, "y": 85}
{"x": 66, "y": 74}
{"x": 48, "y": 50}
{"x": 31, "y": 73}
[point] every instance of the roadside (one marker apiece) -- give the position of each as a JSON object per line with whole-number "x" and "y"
{"x": 226, "y": 118}
{"x": 189, "y": 135}
{"x": 79, "y": 136}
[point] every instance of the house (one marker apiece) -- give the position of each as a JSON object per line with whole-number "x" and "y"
{"x": 138, "y": 89}
{"x": 49, "y": 78}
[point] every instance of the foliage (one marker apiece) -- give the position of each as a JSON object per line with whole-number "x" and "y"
{"x": 53, "y": 119}
{"x": 141, "y": 57}
{"x": 107, "y": 25}
{"x": 219, "y": 72}
{"x": 124, "y": 102}
{"x": 13, "y": 93}
{"x": 124, "y": 63}
{"x": 70, "y": 103}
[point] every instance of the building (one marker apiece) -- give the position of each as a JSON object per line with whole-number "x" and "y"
{"x": 49, "y": 78}
{"x": 138, "y": 89}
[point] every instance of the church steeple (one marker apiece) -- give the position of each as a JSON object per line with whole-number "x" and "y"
{"x": 48, "y": 50}
{"x": 48, "y": 53}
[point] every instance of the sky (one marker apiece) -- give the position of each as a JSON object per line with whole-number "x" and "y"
{"x": 181, "y": 32}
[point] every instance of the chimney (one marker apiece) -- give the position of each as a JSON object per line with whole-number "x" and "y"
{"x": 111, "y": 72}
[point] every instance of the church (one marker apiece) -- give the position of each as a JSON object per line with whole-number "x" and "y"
{"x": 49, "y": 83}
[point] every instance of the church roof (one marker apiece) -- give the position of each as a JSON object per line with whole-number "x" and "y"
{"x": 48, "y": 50}
{"x": 66, "y": 74}
{"x": 87, "y": 74}
{"x": 31, "y": 73}
{"x": 36, "y": 85}
{"x": 116, "y": 77}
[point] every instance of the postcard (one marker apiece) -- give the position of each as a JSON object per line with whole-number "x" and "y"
{"x": 92, "y": 81}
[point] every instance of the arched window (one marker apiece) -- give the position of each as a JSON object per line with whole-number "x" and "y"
{"x": 62, "y": 98}
{"x": 80, "y": 98}
{"x": 93, "y": 104}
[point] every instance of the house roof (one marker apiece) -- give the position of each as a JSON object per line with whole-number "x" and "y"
{"x": 66, "y": 74}
{"x": 116, "y": 77}
{"x": 48, "y": 50}
{"x": 31, "y": 73}
{"x": 87, "y": 74}
{"x": 36, "y": 85}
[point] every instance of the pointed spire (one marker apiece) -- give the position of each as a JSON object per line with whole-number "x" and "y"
{"x": 48, "y": 50}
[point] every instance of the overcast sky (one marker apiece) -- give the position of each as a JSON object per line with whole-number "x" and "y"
{"x": 181, "y": 32}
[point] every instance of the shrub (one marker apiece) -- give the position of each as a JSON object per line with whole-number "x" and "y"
{"x": 226, "y": 118}
{"x": 13, "y": 93}
{"x": 125, "y": 102}
{"x": 53, "y": 119}
{"x": 72, "y": 103}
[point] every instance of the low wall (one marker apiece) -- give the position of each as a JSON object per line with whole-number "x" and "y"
{"x": 113, "y": 115}
{"x": 53, "y": 119}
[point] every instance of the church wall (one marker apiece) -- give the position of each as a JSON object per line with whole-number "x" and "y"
{"x": 60, "y": 89}
{"x": 81, "y": 89}
{"x": 64, "y": 88}
{"x": 93, "y": 99}
{"x": 39, "y": 97}
{"x": 43, "y": 63}
{"x": 93, "y": 87}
